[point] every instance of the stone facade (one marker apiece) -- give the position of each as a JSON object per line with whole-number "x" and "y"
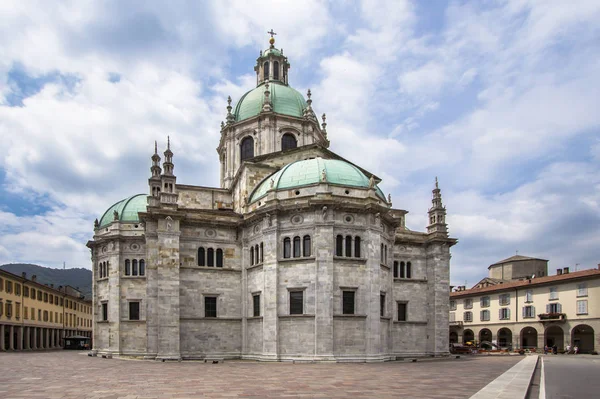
{"x": 321, "y": 271}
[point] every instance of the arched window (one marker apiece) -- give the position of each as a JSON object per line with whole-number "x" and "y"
{"x": 296, "y": 247}
{"x": 287, "y": 247}
{"x": 395, "y": 269}
{"x": 402, "y": 275}
{"x": 266, "y": 70}
{"x": 201, "y": 257}
{"x": 142, "y": 267}
{"x": 306, "y": 246}
{"x": 348, "y": 246}
{"x": 219, "y": 257}
{"x": 127, "y": 267}
{"x": 247, "y": 148}
{"x": 256, "y": 254}
{"x": 262, "y": 257}
{"x": 210, "y": 255}
{"x": 357, "y": 247}
{"x": 408, "y": 270}
{"x": 288, "y": 141}
{"x": 276, "y": 70}
{"x": 134, "y": 267}
{"x": 339, "y": 245}
{"x": 251, "y": 256}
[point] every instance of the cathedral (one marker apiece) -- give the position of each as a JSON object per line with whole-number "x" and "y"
{"x": 297, "y": 256}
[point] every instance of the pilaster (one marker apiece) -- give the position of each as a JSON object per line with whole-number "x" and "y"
{"x": 270, "y": 303}
{"x": 324, "y": 249}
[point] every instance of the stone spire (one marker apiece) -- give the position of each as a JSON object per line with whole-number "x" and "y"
{"x": 230, "y": 118}
{"x": 324, "y": 125}
{"x": 308, "y": 111}
{"x": 168, "y": 179}
{"x": 267, "y": 103}
{"x": 437, "y": 212}
{"x": 154, "y": 180}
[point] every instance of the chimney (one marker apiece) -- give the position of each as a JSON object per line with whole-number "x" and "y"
{"x": 598, "y": 266}
{"x": 51, "y": 285}
{"x": 558, "y": 272}
{"x": 566, "y": 270}
{"x": 60, "y": 288}
{"x": 34, "y": 278}
{"x": 24, "y": 275}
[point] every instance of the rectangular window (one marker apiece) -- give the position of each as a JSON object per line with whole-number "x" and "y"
{"x": 26, "y": 292}
{"x": 504, "y": 314}
{"x": 39, "y": 295}
{"x": 9, "y": 287}
{"x": 210, "y": 306}
{"x": 56, "y": 317}
{"x": 45, "y": 297}
{"x": 382, "y": 305}
{"x": 504, "y": 299}
{"x": 582, "y": 306}
{"x": 25, "y": 312}
{"x": 348, "y": 302}
{"x": 51, "y": 317}
{"x": 553, "y": 308}
{"x": 105, "y": 311}
{"x": 401, "y": 311}
{"x": 51, "y": 298}
{"x": 484, "y": 301}
{"x": 32, "y": 313}
{"x": 256, "y": 305}
{"x": 18, "y": 310}
{"x": 18, "y": 289}
{"x": 581, "y": 290}
{"x": 134, "y": 310}
{"x": 296, "y": 302}
{"x": 528, "y": 312}
{"x": 553, "y": 293}
{"x": 40, "y": 314}
{"x": 1, "y": 284}
{"x": 452, "y": 317}
{"x": 8, "y": 309}
{"x": 484, "y": 315}
{"x": 452, "y": 305}
{"x": 468, "y": 303}
{"x": 468, "y": 316}
{"x": 529, "y": 296}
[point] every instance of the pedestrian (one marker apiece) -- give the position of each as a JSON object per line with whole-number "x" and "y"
{"x": 576, "y": 349}
{"x": 568, "y": 349}
{"x": 555, "y": 349}
{"x": 545, "y": 349}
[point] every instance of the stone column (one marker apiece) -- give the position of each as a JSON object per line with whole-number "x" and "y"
{"x": 438, "y": 280}
{"x": 47, "y": 338}
{"x": 371, "y": 296}
{"x": 35, "y": 342}
{"x": 11, "y": 341}
{"x": 324, "y": 247}
{"x": 168, "y": 293}
{"x": 20, "y": 337}
{"x": 52, "y": 339}
{"x": 2, "y": 347}
{"x": 27, "y": 331}
{"x": 151, "y": 292}
{"x": 270, "y": 303}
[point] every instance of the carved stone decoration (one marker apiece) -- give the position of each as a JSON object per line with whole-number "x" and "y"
{"x": 104, "y": 249}
{"x": 371, "y": 182}
{"x": 268, "y": 221}
{"x": 210, "y": 233}
{"x": 348, "y": 219}
{"x": 323, "y": 176}
{"x": 297, "y": 219}
{"x": 115, "y": 215}
{"x": 378, "y": 219}
{"x": 112, "y": 245}
{"x": 324, "y": 212}
{"x": 272, "y": 183}
{"x": 169, "y": 221}
{"x": 257, "y": 228}
{"x": 96, "y": 224}
{"x": 134, "y": 246}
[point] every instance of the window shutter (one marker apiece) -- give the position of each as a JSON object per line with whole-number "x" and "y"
{"x": 508, "y": 313}
{"x": 524, "y": 312}
{"x": 533, "y": 311}
{"x": 548, "y": 308}
{"x": 500, "y": 314}
{"x": 559, "y": 308}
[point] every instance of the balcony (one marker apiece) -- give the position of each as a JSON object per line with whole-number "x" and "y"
{"x": 456, "y": 324}
{"x": 546, "y": 317}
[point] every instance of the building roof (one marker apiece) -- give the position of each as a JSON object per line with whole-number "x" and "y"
{"x": 559, "y": 278}
{"x": 515, "y": 258}
{"x": 284, "y": 100}
{"x": 127, "y": 208}
{"x": 310, "y": 171}
{"x": 56, "y": 290}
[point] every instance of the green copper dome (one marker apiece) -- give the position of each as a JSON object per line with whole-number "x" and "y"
{"x": 128, "y": 210}
{"x": 271, "y": 51}
{"x": 284, "y": 100}
{"x": 310, "y": 171}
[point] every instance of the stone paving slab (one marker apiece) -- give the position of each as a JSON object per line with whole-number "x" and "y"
{"x": 67, "y": 374}
{"x": 513, "y": 384}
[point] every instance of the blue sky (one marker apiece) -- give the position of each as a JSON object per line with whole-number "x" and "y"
{"x": 499, "y": 99}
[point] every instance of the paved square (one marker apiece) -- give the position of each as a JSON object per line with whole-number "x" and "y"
{"x": 66, "y": 374}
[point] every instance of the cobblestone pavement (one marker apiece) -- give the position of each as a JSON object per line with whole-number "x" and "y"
{"x": 66, "y": 374}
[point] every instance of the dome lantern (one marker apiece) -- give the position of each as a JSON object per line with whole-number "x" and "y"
{"x": 272, "y": 65}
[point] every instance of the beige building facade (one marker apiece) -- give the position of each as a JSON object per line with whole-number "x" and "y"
{"x": 561, "y": 310}
{"x": 36, "y": 316}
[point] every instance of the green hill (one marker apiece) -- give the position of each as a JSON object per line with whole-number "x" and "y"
{"x": 78, "y": 277}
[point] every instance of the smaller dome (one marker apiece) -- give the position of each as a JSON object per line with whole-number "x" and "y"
{"x": 128, "y": 210}
{"x": 271, "y": 51}
{"x": 310, "y": 171}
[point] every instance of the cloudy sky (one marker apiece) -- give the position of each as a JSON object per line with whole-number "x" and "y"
{"x": 499, "y": 99}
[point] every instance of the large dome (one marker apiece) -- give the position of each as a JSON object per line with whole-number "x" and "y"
{"x": 284, "y": 100}
{"x": 128, "y": 210}
{"x": 310, "y": 171}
